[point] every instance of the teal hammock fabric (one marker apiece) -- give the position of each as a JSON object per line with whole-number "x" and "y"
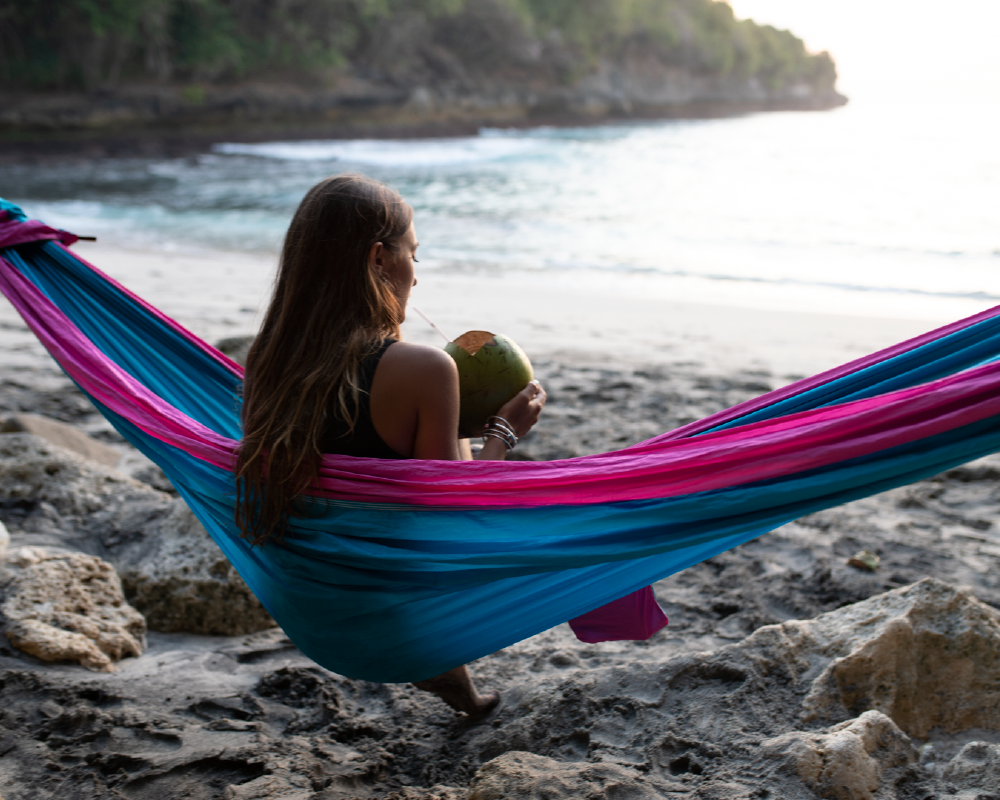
{"x": 403, "y": 570}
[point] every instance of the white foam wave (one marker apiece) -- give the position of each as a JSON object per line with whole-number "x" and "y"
{"x": 416, "y": 153}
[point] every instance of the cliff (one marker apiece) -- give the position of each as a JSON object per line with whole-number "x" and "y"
{"x": 351, "y": 66}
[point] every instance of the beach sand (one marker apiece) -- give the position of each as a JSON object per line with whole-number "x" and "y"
{"x": 250, "y": 717}
{"x": 633, "y": 317}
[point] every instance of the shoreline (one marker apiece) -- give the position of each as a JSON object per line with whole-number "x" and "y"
{"x": 633, "y": 318}
{"x": 49, "y": 143}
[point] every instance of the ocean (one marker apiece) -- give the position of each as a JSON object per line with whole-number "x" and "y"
{"x": 871, "y": 209}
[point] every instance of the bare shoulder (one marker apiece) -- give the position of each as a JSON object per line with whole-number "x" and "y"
{"x": 417, "y": 364}
{"x": 419, "y": 355}
{"x": 414, "y": 401}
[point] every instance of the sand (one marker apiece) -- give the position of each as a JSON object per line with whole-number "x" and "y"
{"x": 244, "y": 717}
{"x": 635, "y": 317}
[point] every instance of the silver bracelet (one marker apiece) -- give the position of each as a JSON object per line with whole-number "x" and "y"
{"x": 501, "y": 436}
{"x": 502, "y": 421}
{"x": 504, "y": 430}
{"x": 499, "y": 423}
{"x": 508, "y": 439}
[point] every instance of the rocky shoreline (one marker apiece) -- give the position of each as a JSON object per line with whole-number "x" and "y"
{"x": 784, "y": 672}
{"x": 154, "y": 121}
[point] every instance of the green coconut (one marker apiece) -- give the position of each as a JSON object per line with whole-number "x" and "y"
{"x": 492, "y": 369}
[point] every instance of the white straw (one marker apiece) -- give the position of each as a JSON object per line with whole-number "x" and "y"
{"x": 428, "y": 321}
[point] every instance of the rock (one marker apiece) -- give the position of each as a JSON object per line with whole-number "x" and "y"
{"x": 236, "y": 347}
{"x": 4, "y": 542}
{"x": 926, "y": 656}
{"x": 181, "y": 580}
{"x": 62, "y": 435}
{"x": 170, "y": 568}
{"x": 847, "y": 762}
{"x": 437, "y": 792}
{"x": 70, "y": 607}
{"x": 527, "y": 776}
{"x": 864, "y": 559}
{"x": 266, "y": 788}
{"x": 58, "y": 498}
{"x": 977, "y": 766}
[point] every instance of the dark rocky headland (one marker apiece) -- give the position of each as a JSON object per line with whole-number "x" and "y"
{"x": 176, "y": 73}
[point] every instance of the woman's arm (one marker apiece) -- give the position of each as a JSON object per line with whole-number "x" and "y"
{"x": 414, "y": 405}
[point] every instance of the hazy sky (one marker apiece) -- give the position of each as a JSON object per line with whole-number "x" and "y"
{"x": 905, "y": 48}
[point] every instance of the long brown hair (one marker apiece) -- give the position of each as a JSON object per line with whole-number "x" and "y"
{"x": 330, "y": 308}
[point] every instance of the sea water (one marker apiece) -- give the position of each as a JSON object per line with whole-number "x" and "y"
{"x": 877, "y": 209}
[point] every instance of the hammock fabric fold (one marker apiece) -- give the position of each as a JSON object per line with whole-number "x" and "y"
{"x": 401, "y": 570}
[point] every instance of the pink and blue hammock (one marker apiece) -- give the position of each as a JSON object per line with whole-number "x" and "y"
{"x": 404, "y": 569}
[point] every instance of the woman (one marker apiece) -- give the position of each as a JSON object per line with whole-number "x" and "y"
{"x": 328, "y": 372}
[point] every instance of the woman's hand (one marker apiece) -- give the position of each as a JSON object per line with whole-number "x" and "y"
{"x": 523, "y": 411}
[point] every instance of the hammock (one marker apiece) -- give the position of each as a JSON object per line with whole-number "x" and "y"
{"x": 402, "y": 570}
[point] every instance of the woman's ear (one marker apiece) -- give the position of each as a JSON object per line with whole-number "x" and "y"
{"x": 375, "y": 258}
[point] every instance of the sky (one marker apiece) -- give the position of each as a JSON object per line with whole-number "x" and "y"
{"x": 905, "y": 49}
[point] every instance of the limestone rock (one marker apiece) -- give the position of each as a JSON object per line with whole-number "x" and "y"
{"x": 527, "y": 776}
{"x": 266, "y": 788}
{"x": 33, "y": 471}
{"x": 171, "y": 569}
{"x": 847, "y": 762}
{"x": 926, "y": 656}
{"x": 181, "y": 580}
{"x": 70, "y": 606}
{"x": 977, "y": 766}
{"x": 437, "y": 792}
{"x": 62, "y": 435}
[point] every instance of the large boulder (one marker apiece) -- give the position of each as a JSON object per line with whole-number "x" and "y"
{"x": 926, "y": 656}
{"x": 170, "y": 568}
{"x": 70, "y": 606}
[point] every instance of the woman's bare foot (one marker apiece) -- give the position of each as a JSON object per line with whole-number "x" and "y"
{"x": 455, "y": 687}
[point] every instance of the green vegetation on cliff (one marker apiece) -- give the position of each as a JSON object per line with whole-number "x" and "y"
{"x": 95, "y": 44}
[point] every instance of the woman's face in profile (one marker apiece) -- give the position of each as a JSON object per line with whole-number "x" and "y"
{"x": 397, "y": 266}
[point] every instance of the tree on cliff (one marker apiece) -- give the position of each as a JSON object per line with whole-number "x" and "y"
{"x": 100, "y": 44}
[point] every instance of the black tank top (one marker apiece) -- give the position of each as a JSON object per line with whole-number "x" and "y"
{"x": 364, "y": 441}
